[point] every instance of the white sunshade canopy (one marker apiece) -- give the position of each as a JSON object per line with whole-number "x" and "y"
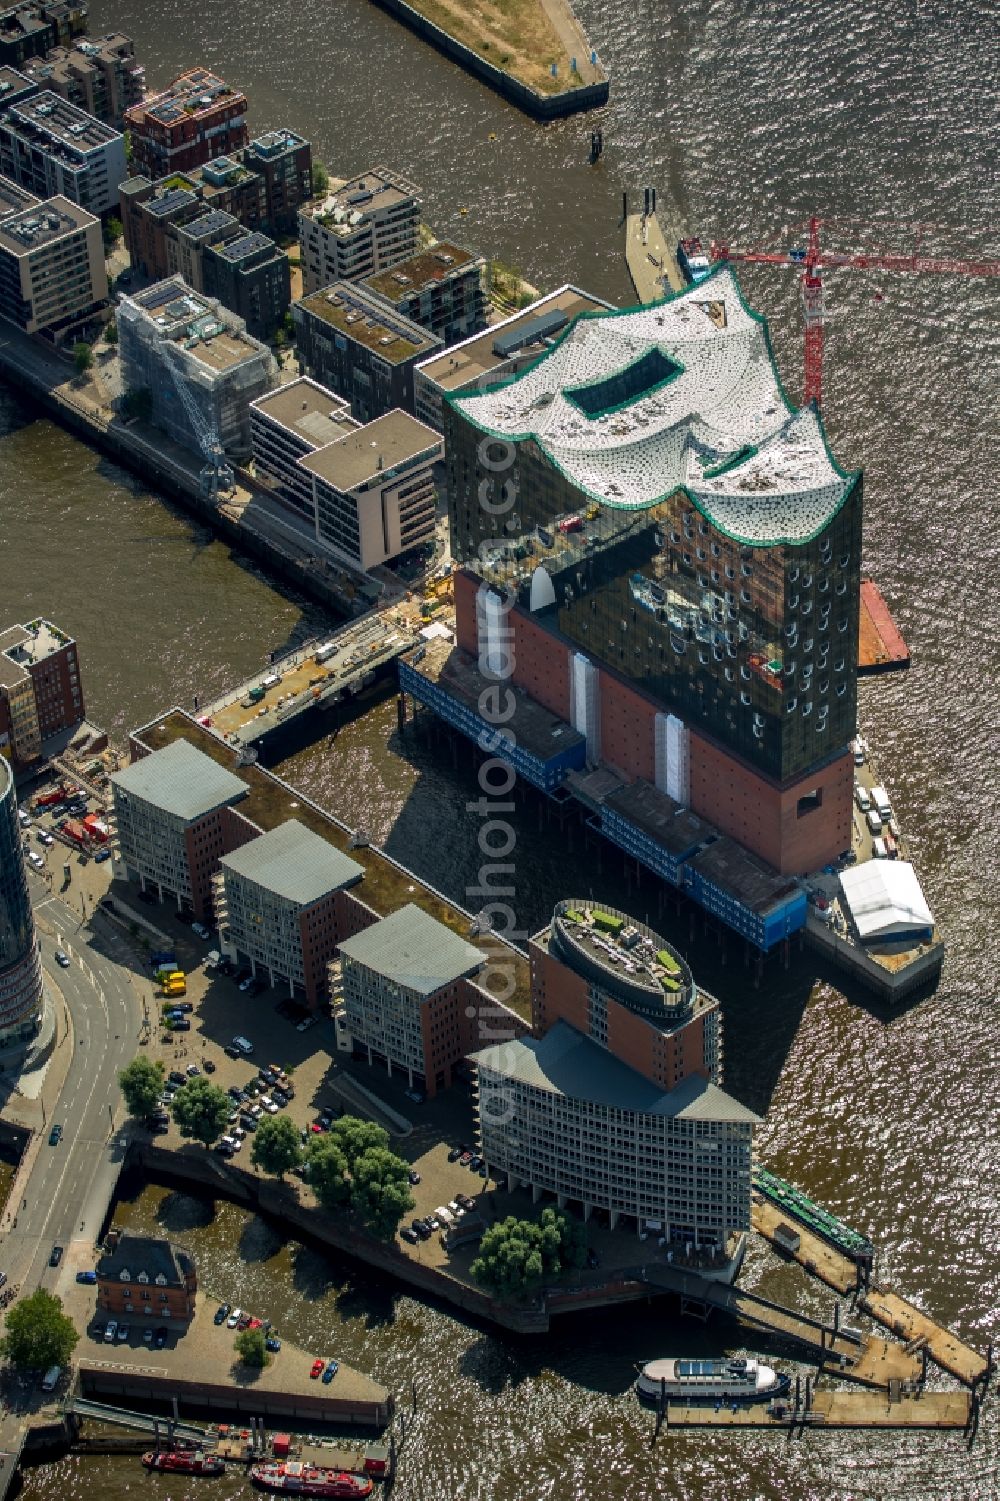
{"x": 885, "y": 899}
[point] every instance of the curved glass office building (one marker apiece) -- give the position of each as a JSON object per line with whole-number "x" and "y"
{"x": 20, "y": 960}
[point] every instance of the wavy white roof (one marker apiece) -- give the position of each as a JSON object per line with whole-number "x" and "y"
{"x": 719, "y": 425}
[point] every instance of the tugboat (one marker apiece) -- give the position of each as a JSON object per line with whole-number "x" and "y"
{"x": 183, "y": 1462}
{"x": 735, "y": 1380}
{"x": 293, "y": 1478}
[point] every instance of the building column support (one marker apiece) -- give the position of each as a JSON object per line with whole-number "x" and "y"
{"x": 536, "y": 1193}
{"x": 588, "y": 1210}
{"x": 612, "y": 1218}
{"x": 561, "y": 1201}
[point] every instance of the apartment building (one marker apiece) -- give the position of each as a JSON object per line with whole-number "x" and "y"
{"x": 98, "y": 74}
{"x": 349, "y": 340}
{"x": 442, "y": 288}
{"x": 250, "y": 275}
{"x": 368, "y": 224}
{"x": 52, "y": 270}
{"x": 289, "y": 424}
{"x": 144, "y": 1277}
{"x": 405, "y": 982}
{"x": 171, "y": 338}
{"x": 52, "y": 148}
{"x": 41, "y": 692}
{"x": 283, "y": 161}
{"x": 172, "y": 818}
{"x": 275, "y": 903}
{"x": 14, "y": 86}
{"x": 197, "y": 118}
{"x": 373, "y": 489}
{"x": 483, "y": 360}
{"x": 32, "y": 28}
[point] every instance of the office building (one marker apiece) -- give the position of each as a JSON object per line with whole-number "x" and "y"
{"x": 441, "y": 288}
{"x": 98, "y": 74}
{"x": 173, "y": 816}
{"x": 569, "y": 1119}
{"x": 144, "y": 1277}
{"x": 283, "y": 161}
{"x": 684, "y": 557}
{"x": 289, "y": 424}
{"x": 21, "y": 990}
{"x": 405, "y": 982}
{"x": 191, "y": 354}
{"x": 251, "y": 277}
{"x": 614, "y": 1102}
{"x": 40, "y": 689}
{"x": 52, "y": 271}
{"x": 32, "y": 28}
{"x": 483, "y": 360}
{"x": 197, "y": 118}
{"x": 275, "y": 903}
{"x": 368, "y": 224}
{"x": 373, "y": 489}
{"x": 349, "y": 340}
{"x": 53, "y": 149}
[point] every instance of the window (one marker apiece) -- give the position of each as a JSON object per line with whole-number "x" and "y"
{"x": 809, "y": 803}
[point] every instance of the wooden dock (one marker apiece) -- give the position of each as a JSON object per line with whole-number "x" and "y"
{"x": 834, "y": 1409}
{"x": 651, "y": 259}
{"x": 919, "y": 1331}
{"x": 815, "y": 1254}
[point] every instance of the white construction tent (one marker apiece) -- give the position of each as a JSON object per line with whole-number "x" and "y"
{"x": 885, "y": 901}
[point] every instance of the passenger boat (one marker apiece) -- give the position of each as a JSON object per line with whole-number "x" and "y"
{"x": 735, "y": 1380}
{"x": 183, "y": 1462}
{"x": 293, "y": 1478}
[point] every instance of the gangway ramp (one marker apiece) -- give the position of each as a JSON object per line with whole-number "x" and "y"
{"x": 124, "y": 1417}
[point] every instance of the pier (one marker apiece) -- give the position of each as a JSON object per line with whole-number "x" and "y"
{"x": 921, "y": 1332}
{"x": 834, "y": 1409}
{"x": 651, "y": 258}
{"x": 814, "y": 1254}
{"x": 881, "y": 648}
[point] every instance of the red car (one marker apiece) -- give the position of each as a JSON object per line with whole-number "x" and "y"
{"x": 465, "y": 1158}
{"x": 317, "y": 1368}
{"x": 244, "y": 1322}
{"x": 256, "y": 1324}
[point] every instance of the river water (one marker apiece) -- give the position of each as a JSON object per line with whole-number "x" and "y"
{"x": 746, "y": 116}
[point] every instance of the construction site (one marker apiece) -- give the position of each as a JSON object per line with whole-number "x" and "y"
{"x": 200, "y": 368}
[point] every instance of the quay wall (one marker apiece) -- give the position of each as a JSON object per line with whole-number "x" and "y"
{"x": 890, "y": 985}
{"x": 540, "y": 106}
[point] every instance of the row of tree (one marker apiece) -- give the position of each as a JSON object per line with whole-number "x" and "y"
{"x": 349, "y": 1167}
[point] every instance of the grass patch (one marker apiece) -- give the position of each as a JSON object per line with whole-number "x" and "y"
{"x": 515, "y": 35}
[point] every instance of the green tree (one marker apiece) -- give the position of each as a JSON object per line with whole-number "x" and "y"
{"x": 320, "y": 179}
{"x": 201, "y": 1111}
{"x": 111, "y": 333}
{"x": 38, "y": 1333}
{"x": 288, "y": 324}
{"x": 276, "y": 1145}
{"x": 83, "y": 358}
{"x": 328, "y": 1172}
{"x": 354, "y": 1137}
{"x": 516, "y": 1255}
{"x": 280, "y": 338}
{"x": 142, "y": 1084}
{"x": 251, "y": 1348}
{"x": 113, "y": 231}
{"x": 129, "y": 149}
{"x": 380, "y": 1191}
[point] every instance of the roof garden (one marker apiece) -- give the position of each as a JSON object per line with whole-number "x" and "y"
{"x": 625, "y": 957}
{"x": 386, "y": 886}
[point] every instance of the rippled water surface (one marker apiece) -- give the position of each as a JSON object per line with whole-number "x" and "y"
{"x": 746, "y": 117}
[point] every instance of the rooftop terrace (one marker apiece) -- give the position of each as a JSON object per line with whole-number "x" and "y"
{"x": 423, "y": 269}
{"x": 276, "y": 142}
{"x": 386, "y": 886}
{"x": 627, "y": 957}
{"x": 366, "y": 319}
{"x": 41, "y": 639}
{"x": 191, "y": 95}
{"x": 49, "y": 117}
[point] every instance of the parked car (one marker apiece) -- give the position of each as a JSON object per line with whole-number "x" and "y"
{"x": 232, "y": 1052}
{"x": 415, "y": 1095}
{"x": 244, "y": 1045}
{"x": 235, "y": 1314}
{"x": 223, "y": 1149}
{"x": 454, "y": 1154}
{"x": 192, "y": 1070}
{"x": 304, "y": 1026}
{"x": 147, "y": 1336}
{"x": 180, "y": 1024}
{"x": 35, "y": 861}
{"x": 332, "y": 1367}
{"x": 122, "y": 1333}
{"x": 246, "y": 984}
{"x": 110, "y": 1332}
{"x": 45, "y": 838}
{"x": 200, "y": 929}
{"x": 317, "y": 1368}
{"x": 272, "y": 1343}
{"x": 476, "y": 1163}
{"x": 465, "y": 1201}
{"x": 55, "y": 1136}
{"x": 465, "y": 1159}
{"x": 409, "y": 1234}
{"x": 88, "y": 1278}
{"x": 414, "y": 1177}
{"x": 62, "y": 959}
{"x": 160, "y": 1337}
{"x": 208, "y": 1066}
{"x": 221, "y": 1313}
{"x": 100, "y": 857}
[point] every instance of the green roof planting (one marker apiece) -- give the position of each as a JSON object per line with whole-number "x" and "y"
{"x": 634, "y": 404}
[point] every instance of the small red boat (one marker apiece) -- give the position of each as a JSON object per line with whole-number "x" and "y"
{"x": 293, "y": 1478}
{"x": 183, "y": 1462}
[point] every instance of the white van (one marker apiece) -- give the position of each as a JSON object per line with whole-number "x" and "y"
{"x": 880, "y": 801}
{"x": 874, "y": 822}
{"x": 879, "y": 850}
{"x": 51, "y": 1378}
{"x": 244, "y": 1045}
{"x": 271, "y": 681}
{"x": 861, "y": 797}
{"x": 445, "y": 1215}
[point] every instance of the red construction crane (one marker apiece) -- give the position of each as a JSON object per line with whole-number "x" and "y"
{"x": 813, "y": 260}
